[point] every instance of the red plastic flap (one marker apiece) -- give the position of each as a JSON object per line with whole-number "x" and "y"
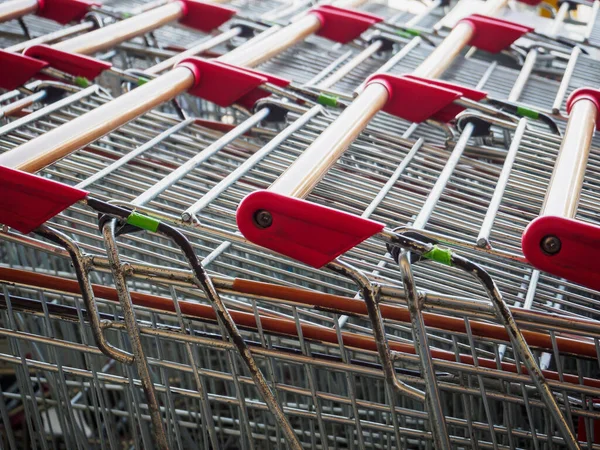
{"x": 71, "y": 63}
{"x": 414, "y": 99}
{"x": 22, "y": 69}
{"x": 221, "y": 83}
{"x": 577, "y": 259}
{"x": 449, "y": 112}
{"x": 582, "y": 432}
{"x": 205, "y": 16}
{"x": 65, "y": 11}
{"x": 494, "y": 35}
{"x": 341, "y": 24}
{"x": 248, "y": 100}
{"x": 27, "y": 201}
{"x": 310, "y": 233}
{"x": 593, "y": 95}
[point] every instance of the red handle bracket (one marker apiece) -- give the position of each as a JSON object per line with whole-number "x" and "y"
{"x": 71, "y": 63}
{"x": 577, "y": 260}
{"x": 22, "y": 69}
{"x": 418, "y": 99}
{"x": 205, "y": 16}
{"x": 590, "y": 94}
{"x": 225, "y": 84}
{"x": 27, "y": 201}
{"x": 255, "y": 95}
{"x": 450, "y": 111}
{"x": 494, "y": 35}
{"x": 341, "y": 24}
{"x": 65, "y": 11}
{"x": 310, "y": 233}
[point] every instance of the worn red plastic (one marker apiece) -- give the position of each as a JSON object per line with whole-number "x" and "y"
{"x": 17, "y": 69}
{"x": 71, "y": 63}
{"x": 590, "y": 94}
{"x": 205, "y": 16}
{"x": 582, "y": 432}
{"x": 341, "y": 24}
{"x": 414, "y": 99}
{"x": 65, "y": 11}
{"x": 254, "y": 95}
{"x": 27, "y": 201}
{"x": 494, "y": 35}
{"x": 577, "y": 260}
{"x": 449, "y": 112}
{"x": 301, "y": 230}
{"x": 220, "y": 83}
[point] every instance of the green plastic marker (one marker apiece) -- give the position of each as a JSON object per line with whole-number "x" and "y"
{"x": 143, "y": 222}
{"x": 526, "y": 112}
{"x": 441, "y": 255}
{"x": 82, "y": 82}
{"x": 327, "y": 100}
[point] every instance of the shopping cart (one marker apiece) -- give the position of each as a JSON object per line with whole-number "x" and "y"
{"x": 318, "y": 408}
{"x": 465, "y": 342}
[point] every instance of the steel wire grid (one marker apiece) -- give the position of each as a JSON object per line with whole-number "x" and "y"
{"x": 314, "y": 58}
{"x": 369, "y": 160}
{"x": 356, "y": 180}
{"x": 325, "y": 379}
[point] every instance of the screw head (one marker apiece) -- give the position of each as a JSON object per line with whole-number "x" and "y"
{"x": 551, "y": 245}
{"x": 263, "y": 219}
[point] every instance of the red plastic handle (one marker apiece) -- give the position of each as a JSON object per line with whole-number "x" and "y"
{"x": 27, "y": 201}
{"x": 65, "y": 11}
{"x": 22, "y": 69}
{"x": 71, "y": 63}
{"x": 310, "y": 233}
{"x": 341, "y": 24}
{"x": 225, "y": 84}
{"x": 577, "y": 260}
{"x": 205, "y": 16}
{"x": 450, "y": 111}
{"x": 590, "y": 94}
{"x": 494, "y": 35}
{"x": 412, "y": 98}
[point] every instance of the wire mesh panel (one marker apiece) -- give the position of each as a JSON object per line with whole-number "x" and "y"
{"x": 229, "y": 345}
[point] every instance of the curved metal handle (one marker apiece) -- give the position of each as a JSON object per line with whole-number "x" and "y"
{"x": 17, "y": 8}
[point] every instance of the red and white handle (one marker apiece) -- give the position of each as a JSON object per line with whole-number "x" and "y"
{"x": 555, "y": 242}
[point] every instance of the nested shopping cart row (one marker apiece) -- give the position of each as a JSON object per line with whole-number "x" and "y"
{"x": 434, "y": 367}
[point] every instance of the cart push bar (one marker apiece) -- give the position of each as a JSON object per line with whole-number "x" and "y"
{"x": 61, "y": 11}
{"x": 556, "y": 242}
{"x": 39, "y": 152}
{"x": 70, "y": 56}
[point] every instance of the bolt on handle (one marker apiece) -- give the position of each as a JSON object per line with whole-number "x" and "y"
{"x": 556, "y": 242}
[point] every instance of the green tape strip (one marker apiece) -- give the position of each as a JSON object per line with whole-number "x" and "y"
{"x": 441, "y": 255}
{"x": 327, "y": 100}
{"x": 142, "y": 221}
{"x": 409, "y": 32}
{"x": 142, "y": 80}
{"x": 82, "y": 82}
{"x": 526, "y": 112}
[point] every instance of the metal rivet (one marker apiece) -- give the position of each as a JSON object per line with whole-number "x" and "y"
{"x": 551, "y": 245}
{"x": 263, "y": 219}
